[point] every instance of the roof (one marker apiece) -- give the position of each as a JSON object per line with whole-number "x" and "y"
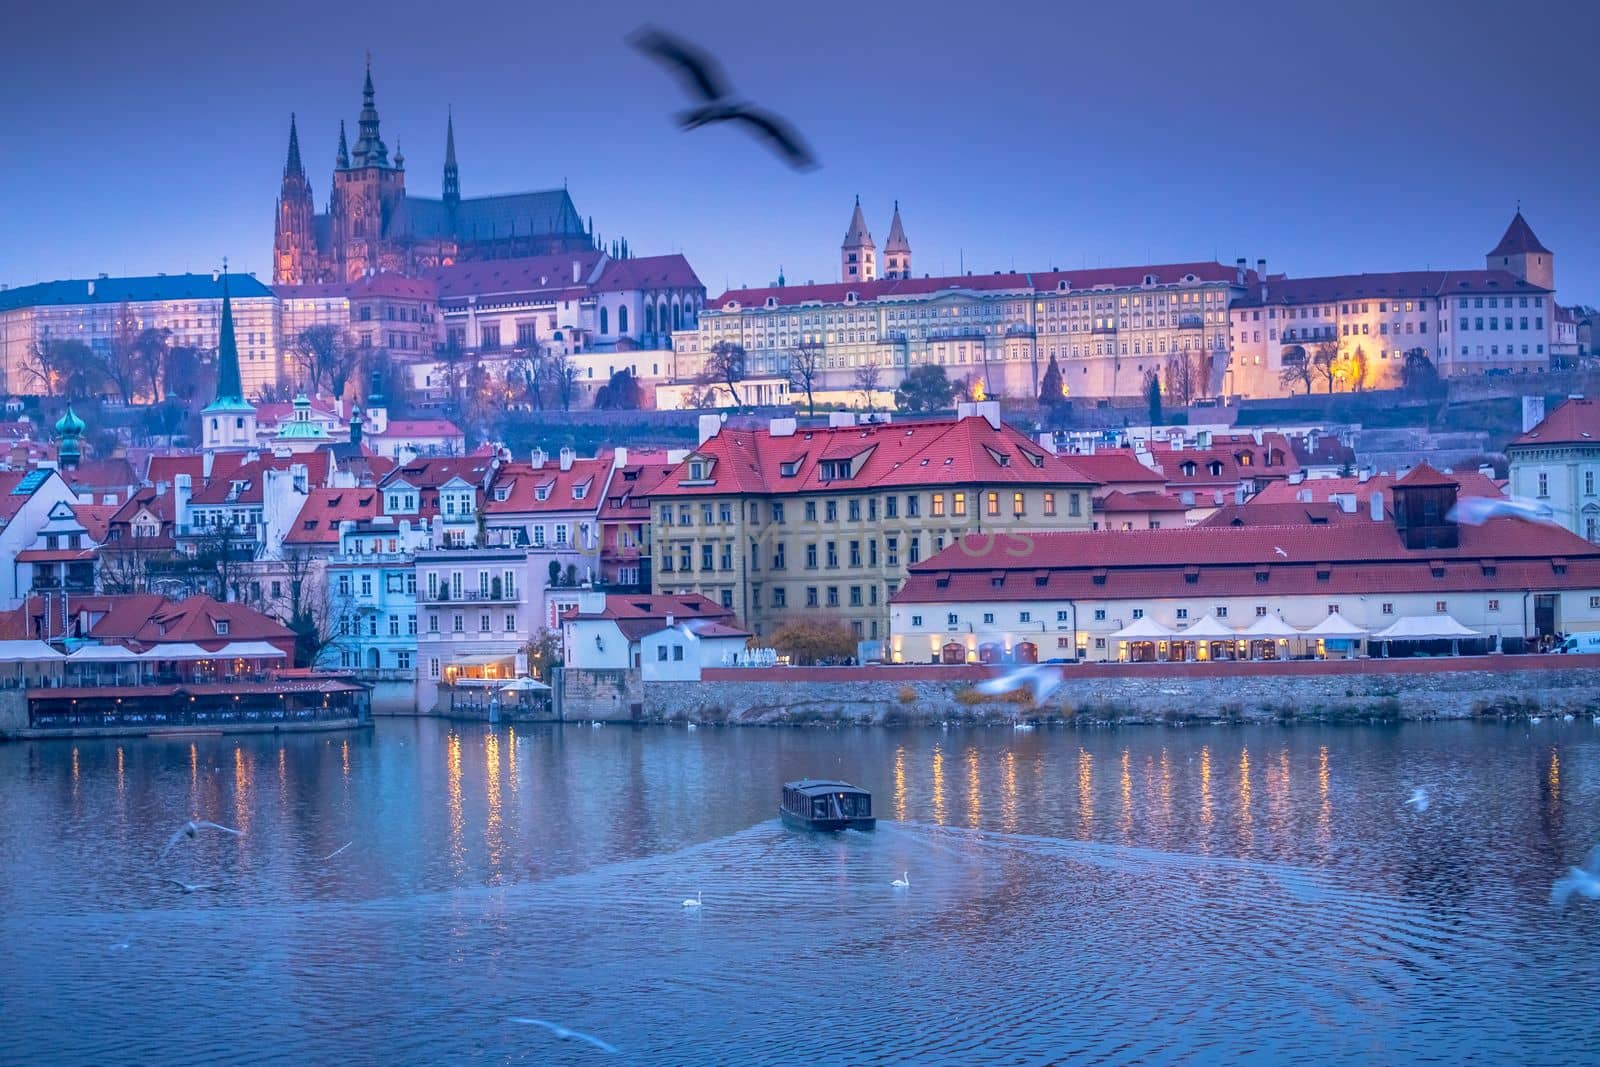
{"x": 433, "y": 471}
{"x": 1323, "y": 490}
{"x": 417, "y": 428}
{"x": 136, "y": 290}
{"x": 810, "y": 786}
{"x": 644, "y": 613}
{"x": 96, "y": 519}
{"x": 1285, "y": 513}
{"x": 1405, "y": 283}
{"x": 531, "y": 274}
{"x": 484, "y": 218}
{"x": 1424, "y": 476}
{"x": 393, "y": 286}
{"x": 857, "y": 234}
{"x": 1518, "y": 239}
{"x": 319, "y": 518}
{"x": 1358, "y": 558}
{"x": 1117, "y": 500}
{"x": 1575, "y": 422}
{"x": 113, "y": 473}
{"x": 939, "y": 451}
{"x": 647, "y": 272}
{"x": 147, "y": 618}
{"x": 1030, "y": 282}
{"x": 1234, "y": 460}
{"x": 269, "y": 415}
{"x": 218, "y": 489}
{"x": 530, "y": 489}
{"x": 631, "y": 485}
{"x": 897, "y": 234}
{"x": 18, "y": 487}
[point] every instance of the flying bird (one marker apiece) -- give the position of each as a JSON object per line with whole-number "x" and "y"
{"x": 566, "y": 1035}
{"x": 192, "y": 828}
{"x": 192, "y": 887}
{"x": 702, "y": 77}
{"x": 1477, "y": 510}
{"x": 1585, "y": 881}
{"x": 1279, "y": 550}
{"x": 336, "y": 851}
{"x": 1418, "y": 799}
{"x": 1042, "y": 678}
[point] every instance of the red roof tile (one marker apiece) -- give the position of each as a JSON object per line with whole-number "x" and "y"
{"x": 1115, "y": 466}
{"x": 101, "y": 474}
{"x": 1118, "y": 501}
{"x": 418, "y": 428}
{"x": 1423, "y": 475}
{"x": 1322, "y": 490}
{"x": 96, "y": 519}
{"x": 1518, "y": 239}
{"x": 1407, "y": 283}
{"x": 524, "y": 485}
{"x": 1575, "y": 422}
{"x": 219, "y": 487}
{"x": 549, "y": 275}
{"x": 656, "y": 607}
{"x": 319, "y": 518}
{"x": 647, "y": 272}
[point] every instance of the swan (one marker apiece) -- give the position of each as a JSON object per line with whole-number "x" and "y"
{"x": 1535, "y": 719}
{"x": 903, "y": 882}
{"x": 693, "y": 902}
{"x": 692, "y": 726}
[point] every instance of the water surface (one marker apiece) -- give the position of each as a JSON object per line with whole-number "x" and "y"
{"x": 1196, "y": 894}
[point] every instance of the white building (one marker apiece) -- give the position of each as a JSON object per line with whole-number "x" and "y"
{"x": 612, "y": 632}
{"x": 1557, "y": 464}
{"x": 27, "y": 500}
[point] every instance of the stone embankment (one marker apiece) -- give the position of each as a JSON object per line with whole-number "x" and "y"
{"x": 1332, "y": 691}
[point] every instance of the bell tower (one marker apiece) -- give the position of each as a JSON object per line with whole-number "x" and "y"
{"x": 897, "y": 250}
{"x": 1520, "y": 252}
{"x": 858, "y": 256}
{"x": 293, "y": 249}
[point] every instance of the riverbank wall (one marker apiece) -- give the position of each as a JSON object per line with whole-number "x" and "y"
{"x": 1312, "y": 691}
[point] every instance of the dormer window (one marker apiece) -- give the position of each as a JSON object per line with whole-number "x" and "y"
{"x": 789, "y": 468}
{"x": 502, "y": 492}
{"x": 221, "y": 627}
{"x": 1188, "y": 469}
{"x": 1215, "y": 467}
{"x": 542, "y": 493}
{"x": 579, "y": 492}
{"x": 697, "y": 470}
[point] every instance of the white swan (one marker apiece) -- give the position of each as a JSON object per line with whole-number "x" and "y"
{"x": 902, "y": 882}
{"x": 693, "y": 902}
{"x": 1535, "y": 719}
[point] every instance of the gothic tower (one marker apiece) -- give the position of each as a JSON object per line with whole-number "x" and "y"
{"x": 294, "y": 243}
{"x": 858, "y": 255}
{"x": 452, "y": 175}
{"x": 897, "y": 250}
{"x": 229, "y": 421}
{"x": 1520, "y": 252}
{"x": 368, "y": 197}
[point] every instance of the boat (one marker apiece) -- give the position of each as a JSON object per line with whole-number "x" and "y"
{"x": 824, "y": 804}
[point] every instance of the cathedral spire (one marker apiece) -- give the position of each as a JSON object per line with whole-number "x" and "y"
{"x": 229, "y": 387}
{"x": 370, "y": 150}
{"x": 344, "y": 149}
{"x": 293, "y": 168}
{"x": 452, "y": 175}
{"x": 858, "y": 254}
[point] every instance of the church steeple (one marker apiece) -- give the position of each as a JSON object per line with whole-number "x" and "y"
{"x": 858, "y": 254}
{"x": 370, "y": 150}
{"x": 897, "y": 250}
{"x": 343, "y": 158}
{"x": 293, "y": 168}
{"x": 229, "y": 386}
{"x": 452, "y": 175}
{"x": 229, "y": 421}
{"x": 293, "y": 246}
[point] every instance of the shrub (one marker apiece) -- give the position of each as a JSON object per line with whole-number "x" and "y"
{"x": 908, "y": 695}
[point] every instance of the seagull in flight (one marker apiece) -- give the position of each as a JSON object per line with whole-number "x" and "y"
{"x": 702, "y": 77}
{"x": 192, "y": 887}
{"x": 1042, "y": 678}
{"x": 1279, "y": 550}
{"x": 1477, "y": 510}
{"x": 1585, "y": 881}
{"x": 1418, "y": 799}
{"x": 192, "y": 828}
{"x": 336, "y": 851}
{"x": 566, "y": 1035}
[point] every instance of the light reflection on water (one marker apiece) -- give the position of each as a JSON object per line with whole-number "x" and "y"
{"x": 541, "y": 872}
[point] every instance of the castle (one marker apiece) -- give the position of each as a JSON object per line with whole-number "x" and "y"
{"x": 373, "y": 226}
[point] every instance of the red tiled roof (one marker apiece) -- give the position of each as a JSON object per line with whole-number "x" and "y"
{"x": 1575, "y": 422}
{"x": 1237, "y": 459}
{"x": 1322, "y": 490}
{"x": 1118, "y": 501}
{"x": 1518, "y": 239}
{"x": 1285, "y": 513}
{"x": 319, "y": 518}
{"x": 1041, "y": 281}
{"x": 657, "y": 606}
{"x": 54, "y": 555}
{"x": 1349, "y": 558}
{"x": 631, "y": 485}
{"x": 418, "y": 428}
{"x": 96, "y": 519}
{"x": 1405, "y": 283}
{"x": 1113, "y": 467}
{"x": 941, "y": 451}
{"x": 217, "y": 490}
{"x": 1424, "y": 475}
{"x": 149, "y": 619}
{"x": 550, "y": 275}
{"x": 376, "y": 285}
{"x": 647, "y": 272}
{"x": 523, "y": 484}
{"x": 434, "y": 471}
{"x": 166, "y": 467}
{"x": 114, "y": 473}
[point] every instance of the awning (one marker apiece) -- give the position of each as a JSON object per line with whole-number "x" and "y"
{"x": 104, "y": 654}
{"x": 26, "y": 652}
{"x": 524, "y": 685}
{"x": 178, "y": 650}
{"x": 1425, "y": 628}
{"x": 249, "y": 650}
{"x": 1271, "y": 626}
{"x": 1144, "y": 630}
{"x": 1336, "y": 625}
{"x": 1207, "y": 629}
{"x": 480, "y": 661}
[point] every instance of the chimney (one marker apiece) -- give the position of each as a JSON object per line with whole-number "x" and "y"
{"x": 1296, "y": 477}
{"x": 841, "y": 419}
{"x": 670, "y": 619}
{"x": 567, "y": 455}
{"x": 1255, "y": 435}
{"x": 537, "y": 460}
{"x": 710, "y": 426}
{"x": 1261, "y": 275}
{"x": 1376, "y": 505}
{"x": 182, "y": 485}
{"x": 91, "y": 288}
{"x": 619, "y": 458}
{"x": 1239, "y": 270}
{"x": 1364, "y": 476}
{"x": 1239, "y": 495}
{"x": 782, "y": 427}
{"x": 577, "y": 271}
{"x": 1202, "y": 439}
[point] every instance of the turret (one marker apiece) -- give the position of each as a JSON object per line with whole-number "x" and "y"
{"x": 293, "y": 240}
{"x": 69, "y": 428}
{"x": 370, "y": 151}
{"x": 1521, "y": 253}
{"x": 897, "y": 250}
{"x": 858, "y": 255}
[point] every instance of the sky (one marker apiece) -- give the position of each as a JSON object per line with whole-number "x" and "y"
{"x": 1323, "y": 138}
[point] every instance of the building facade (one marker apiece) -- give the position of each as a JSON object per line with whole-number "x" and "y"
{"x": 1557, "y": 465}
{"x": 374, "y": 225}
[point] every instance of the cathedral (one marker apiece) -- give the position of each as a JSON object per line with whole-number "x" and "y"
{"x": 372, "y": 225}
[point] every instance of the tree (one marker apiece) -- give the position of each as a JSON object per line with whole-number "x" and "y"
{"x": 1418, "y": 374}
{"x": 866, "y": 380}
{"x": 150, "y": 354}
{"x": 817, "y": 639}
{"x": 1152, "y": 395}
{"x": 555, "y": 573}
{"x": 621, "y": 393}
{"x": 806, "y": 362}
{"x": 925, "y": 388}
{"x": 726, "y": 365}
{"x": 1325, "y": 362}
{"x": 544, "y": 653}
{"x": 564, "y": 373}
{"x": 188, "y": 375}
{"x": 120, "y": 366}
{"x": 1353, "y": 368}
{"x": 324, "y": 353}
{"x": 1296, "y": 371}
{"x": 66, "y": 369}
{"x": 1052, "y": 390}
{"x": 1184, "y": 380}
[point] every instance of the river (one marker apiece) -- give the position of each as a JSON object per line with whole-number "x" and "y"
{"x": 1199, "y": 894}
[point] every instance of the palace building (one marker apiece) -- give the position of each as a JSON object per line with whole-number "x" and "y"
{"x": 372, "y": 224}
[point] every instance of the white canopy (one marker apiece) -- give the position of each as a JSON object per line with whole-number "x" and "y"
{"x": 1425, "y": 628}
{"x": 104, "y": 654}
{"x": 1336, "y": 625}
{"x": 26, "y": 651}
{"x": 249, "y": 650}
{"x": 483, "y": 660}
{"x": 1207, "y": 629}
{"x": 1271, "y": 626}
{"x": 523, "y": 685}
{"x": 1145, "y": 629}
{"x": 178, "y": 650}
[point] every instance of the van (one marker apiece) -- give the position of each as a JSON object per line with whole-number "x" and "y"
{"x": 1586, "y": 642}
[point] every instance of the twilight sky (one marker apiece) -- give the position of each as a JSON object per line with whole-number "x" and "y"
{"x": 1325, "y": 138}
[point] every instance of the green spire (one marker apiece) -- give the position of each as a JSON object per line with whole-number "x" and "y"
{"x": 229, "y": 387}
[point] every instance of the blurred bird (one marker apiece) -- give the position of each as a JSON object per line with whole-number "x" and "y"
{"x": 567, "y": 1035}
{"x": 1477, "y": 510}
{"x": 336, "y": 851}
{"x": 1042, "y": 678}
{"x": 1279, "y": 550}
{"x": 702, "y": 76}
{"x": 192, "y": 887}
{"x": 1585, "y": 881}
{"x": 193, "y": 827}
{"x": 1418, "y": 799}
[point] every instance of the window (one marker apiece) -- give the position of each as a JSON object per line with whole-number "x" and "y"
{"x": 811, "y": 557}
{"x": 1261, "y": 611}
{"x": 1544, "y": 484}
{"x": 1588, "y": 483}
{"x": 1026, "y": 616}
{"x": 1494, "y": 605}
{"x": 1333, "y": 609}
{"x": 831, "y": 510}
{"x": 433, "y": 668}
{"x": 912, "y": 510}
{"x": 833, "y": 596}
{"x": 891, "y": 507}
{"x": 811, "y": 511}
{"x": 833, "y": 553}
{"x": 854, "y": 510}
{"x": 1018, "y": 506}
{"x": 952, "y": 619}
{"x": 992, "y": 505}
{"x": 1073, "y": 506}
{"x": 457, "y": 623}
{"x": 707, "y": 552}
{"x": 511, "y": 621}
{"x": 1099, "y": 614}
{"x": 661, "y": 653}
{"x": 1049, "y": 503}
{"x": 779, "y": 561}
{"x": 938, "y": 505}
{"x": 222, "y": 627}
{"x": 727, "y": 598}
{"x": 891, "y": 548}
{"x": 958, "y": 504}
{"x": 916, "y": 549}
{"x": 483, "y": 623}
{"x": 1440, "y": 606}
{"x": 780, "y": 598}
{"x": 1183, "y": 613}
{"x": 811, "y": 596}
{"x": 855, "y": 596}
{"x": 916, "y": 620}
{"x": 777, "y": 512}
{"x": 855, "y": 553}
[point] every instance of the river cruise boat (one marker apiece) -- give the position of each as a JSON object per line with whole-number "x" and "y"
{"x": 812, "y": 804}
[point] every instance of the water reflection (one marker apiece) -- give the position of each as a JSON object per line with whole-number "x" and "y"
{"x": 1205, "y": 784}
{"x": 1085, "y": 793}
{"x": 1008, "y": 795}
{"x": 491, "y": 779}
{"x": 900, "y": 782}
{"x": 974, "y": 793}
{"x": 938, "y": 785}
{"x": 1127, "y": 796}
{"x": 458, "y": 857}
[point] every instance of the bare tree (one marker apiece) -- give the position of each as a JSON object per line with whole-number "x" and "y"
{"x": 120, "y": 365}
{"x": 320, "y": 620}
{"x": 150, "y": 352}
{"x": 63, "y": 368}
{"x": 529, "y": 373}
{"x": 1182, "y": 382}
{"x": 726, "y": 365}
{"x": 806, "y": 362}
{"x": 564, "y": 374}
{"x": 867, "y": 380}
{"x": 1325, "y": 363}
{"x": 324, "y": 353}
{"x": 1296, "y": 371}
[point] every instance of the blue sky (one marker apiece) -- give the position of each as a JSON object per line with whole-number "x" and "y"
{"x": 1324, "y": 138}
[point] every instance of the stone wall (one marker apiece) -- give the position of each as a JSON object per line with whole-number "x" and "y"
{"x": 610, "y": 695}
{"x": 1359, "y": 689}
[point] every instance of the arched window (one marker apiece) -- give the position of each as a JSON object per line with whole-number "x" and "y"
{"x": 649, "y": 317}
{"x": 622, "y": 320}
{"x": 605, "y": 321}
{"x": 677, "y": 319}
